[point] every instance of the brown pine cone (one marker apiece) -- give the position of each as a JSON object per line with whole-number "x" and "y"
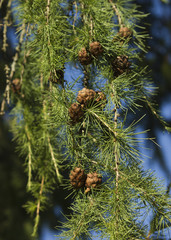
{"x": 77, "y": 177}
{"x": 92, "y": 180}
{"x": 75, "y": 112}
{"x": 86, "y": 96}
{"x": 125, "y": 32}
{"x": 57, "y": 76}
{"x": 100, "y": 96}
{"x": 95, "y": 48}
{"x": 16, "y": 85}
{"x": 84, "y": 57}
{"x": 121, "y": 65}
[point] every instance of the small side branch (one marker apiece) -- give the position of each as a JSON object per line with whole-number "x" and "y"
{"x": 117, "y": 12}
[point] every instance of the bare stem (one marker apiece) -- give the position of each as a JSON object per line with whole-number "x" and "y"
{"x": 117, "y": 12}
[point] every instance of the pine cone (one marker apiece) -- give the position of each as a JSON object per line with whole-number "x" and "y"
{"x": 84, "y": 57}
{"x": 92, "y": 180}
{"x": 95, "y": 48}
{"x": 100, "y": 96}
{"x": 86, "y": 96}
{"x": 125, "y": 32}
{"x": 16, "y": 85}
{"x": 75, "y": 112}
{"x": 57, "y": 76}
{"x": 77, "y": 177}
{"x": 121, "y": 65}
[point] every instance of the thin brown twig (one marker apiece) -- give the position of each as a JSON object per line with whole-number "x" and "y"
{"x": 6, "y": 92}
{"x": 25, "y": 55}
{"x": 117, "y": 12}
{"x": 4, "y": 46}
{"x": 12, "y": 71}
{"x": 7, "y": 84}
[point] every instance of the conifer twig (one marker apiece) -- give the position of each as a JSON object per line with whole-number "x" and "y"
{"x": 6, "y": 95}
{"x": 25, "y": 55}
{"x": 12, "y": 71}
{"x": 29, "y": 158}
{"x": 116, "y": 154}
{"x": 91, "y": 26}
{"x": 117, "y": 12}
{"x": 53, "y": 158}
{"x": 4, "y": 46}
{"x": 148, "y": 235}
{"x": 75, "y": 16}
{"x": 1, "y": 2}
{"x": 47, "y": 11}
{"x": 48, "y": 138}
{"x": 38, "y": 207}
{"x": 101, "y": 120}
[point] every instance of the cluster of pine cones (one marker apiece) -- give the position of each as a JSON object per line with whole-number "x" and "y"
{"x": 120, "y": 64}
{"x": 79, "y": 179}
{"x": 86, "y": 56}
{"x": 85, "y": 98}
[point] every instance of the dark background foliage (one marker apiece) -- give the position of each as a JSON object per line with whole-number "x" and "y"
{"x": 14, "y": 221}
